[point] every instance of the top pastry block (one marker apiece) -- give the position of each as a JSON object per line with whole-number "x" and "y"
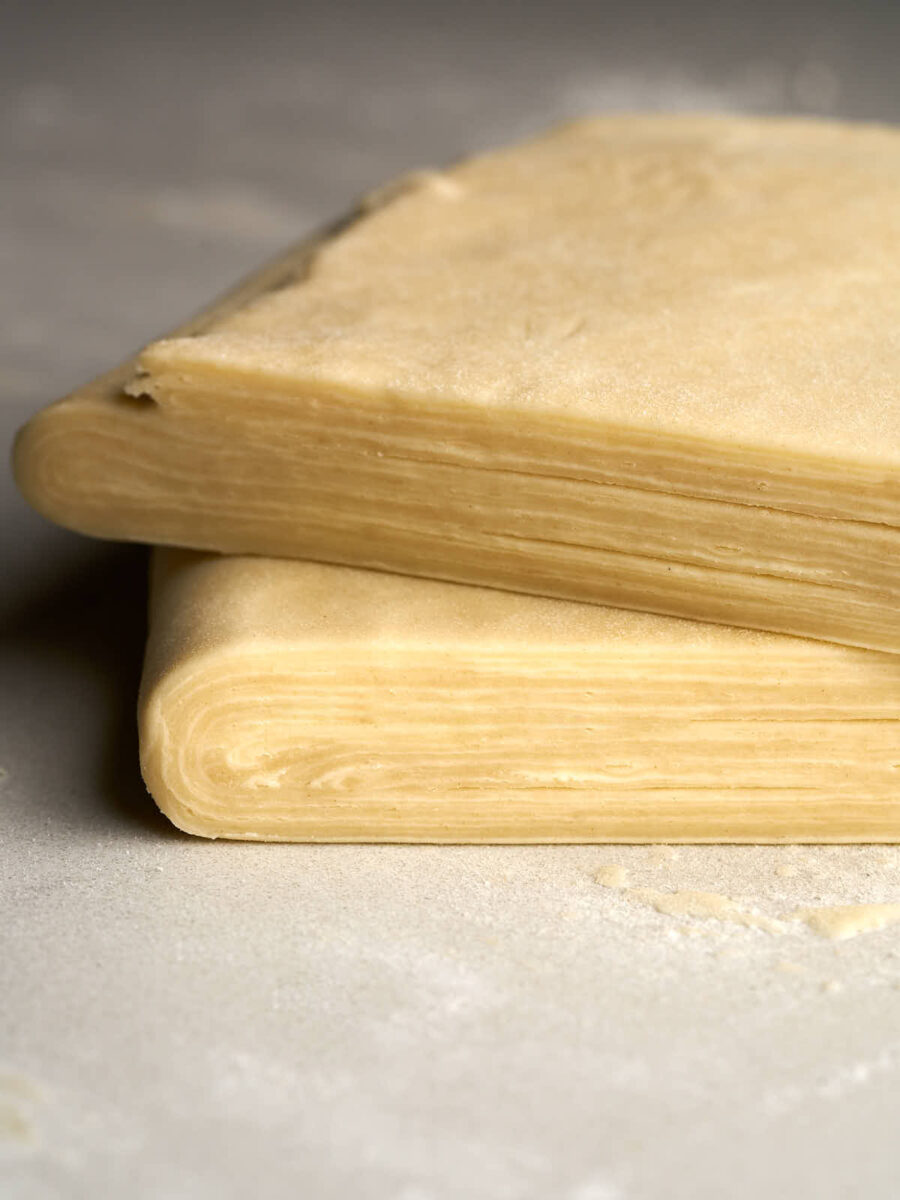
{"x": 648, "y": 362}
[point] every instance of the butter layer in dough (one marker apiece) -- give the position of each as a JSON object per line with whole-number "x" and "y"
{"x": 644, "y": 361}
{"x": 301, "y": 701}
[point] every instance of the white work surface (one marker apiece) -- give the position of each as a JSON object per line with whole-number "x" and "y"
{"x": 191, "y": 1020}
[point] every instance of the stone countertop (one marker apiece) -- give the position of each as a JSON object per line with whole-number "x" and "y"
{"x": 184, "y": 1019}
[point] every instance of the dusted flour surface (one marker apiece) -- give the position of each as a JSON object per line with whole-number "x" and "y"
{"x": 300, "y": 701}
{"x": 643, "y": 361}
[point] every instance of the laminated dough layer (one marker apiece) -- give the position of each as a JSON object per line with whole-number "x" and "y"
{"x": 643, "y": 361}
{"x": 302, "y": 701}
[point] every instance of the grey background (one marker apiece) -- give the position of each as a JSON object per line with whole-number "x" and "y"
{"x": 182, "y": 1019}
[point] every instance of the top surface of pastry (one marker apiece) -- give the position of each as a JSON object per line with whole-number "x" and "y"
{"x": 716, "y": 278}
{"x": 246, "y": 600}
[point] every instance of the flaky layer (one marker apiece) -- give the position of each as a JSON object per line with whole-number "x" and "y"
{"x": 291, "y": 701}
{"x": 318, "y": 488}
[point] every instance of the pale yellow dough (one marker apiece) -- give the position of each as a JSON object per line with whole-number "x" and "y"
{"x": 298, "y": 701}
{"x": 644, "y": 361}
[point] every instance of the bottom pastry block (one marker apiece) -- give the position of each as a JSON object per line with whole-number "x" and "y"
{"x": 293, "y": 701}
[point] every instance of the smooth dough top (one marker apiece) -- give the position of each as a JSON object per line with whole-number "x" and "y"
{"x": 716, "y": 278}
{"x": 206, "y": 602}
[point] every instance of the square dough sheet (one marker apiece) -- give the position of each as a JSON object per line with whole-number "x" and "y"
{"x": 650, "y": 362}
{"x": 296, "y": 701}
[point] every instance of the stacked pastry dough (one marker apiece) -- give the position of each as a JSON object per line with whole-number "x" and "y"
{"x": 648, "y": 363}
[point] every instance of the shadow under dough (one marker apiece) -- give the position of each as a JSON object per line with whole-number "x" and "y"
{"x": 80, "y": 630}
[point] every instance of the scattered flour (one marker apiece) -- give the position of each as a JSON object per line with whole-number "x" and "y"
{"x": 660, "y": 855}
{"x": 612, "y": 876}
{"x": 836, "y": 922}
{"x": 842, "y": 921}
{"x": 19, "y": 1097}
{"x": 709, "y": 906}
